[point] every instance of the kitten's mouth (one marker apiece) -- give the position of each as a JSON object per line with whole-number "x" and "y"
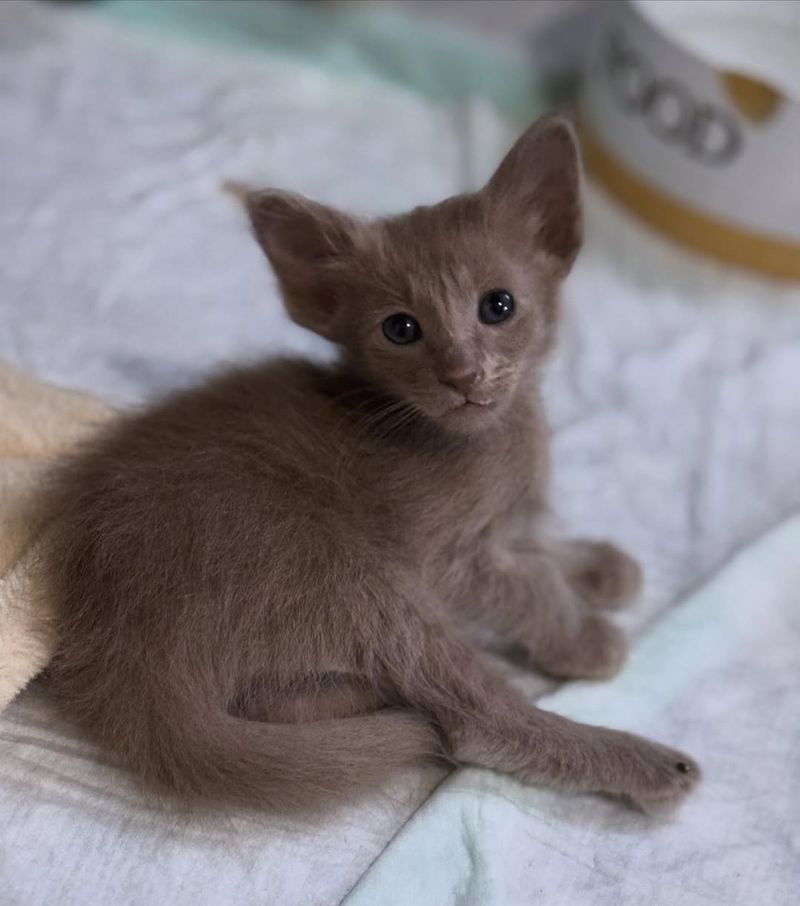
{"x": 468, "y": 404}
{"x": 468, "y": 411}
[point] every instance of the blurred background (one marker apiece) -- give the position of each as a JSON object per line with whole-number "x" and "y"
{"x": 127, "y": 269}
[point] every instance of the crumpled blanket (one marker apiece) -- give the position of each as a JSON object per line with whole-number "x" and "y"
{"x": 37, "y": 422}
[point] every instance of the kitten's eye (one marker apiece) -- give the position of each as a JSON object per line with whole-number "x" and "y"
{"x": 496, "y": 306}
{"x": 401, "y": 329}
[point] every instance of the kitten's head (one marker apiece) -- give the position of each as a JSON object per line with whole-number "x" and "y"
{"x": 449, "y": 307}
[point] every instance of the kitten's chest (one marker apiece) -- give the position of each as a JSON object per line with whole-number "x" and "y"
{"x": 455, "y": 503}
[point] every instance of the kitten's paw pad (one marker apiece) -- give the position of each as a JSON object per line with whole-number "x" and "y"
{"x": 606, "y": 576}
{"x": 598, "y": 652}
{"x": 660, "y": 777}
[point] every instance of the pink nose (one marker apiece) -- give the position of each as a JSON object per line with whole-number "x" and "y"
{"x": 463, "y": 381}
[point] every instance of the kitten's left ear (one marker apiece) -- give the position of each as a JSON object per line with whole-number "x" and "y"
{"x": 536, "y": 189}
{"x": 303, "y": 241}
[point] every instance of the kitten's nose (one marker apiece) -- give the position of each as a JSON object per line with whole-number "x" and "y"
{"x": 462, "y": 381}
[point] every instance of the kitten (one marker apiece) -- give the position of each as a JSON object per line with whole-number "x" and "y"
{"x": 269, "y": 586}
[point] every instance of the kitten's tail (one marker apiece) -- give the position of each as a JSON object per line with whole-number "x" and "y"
{"x": 288, "y": 767}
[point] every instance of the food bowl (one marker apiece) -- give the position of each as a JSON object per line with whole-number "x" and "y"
{"x": 690, "y": 116}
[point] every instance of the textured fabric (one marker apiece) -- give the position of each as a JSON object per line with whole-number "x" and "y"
{"x": 125, "y": 270}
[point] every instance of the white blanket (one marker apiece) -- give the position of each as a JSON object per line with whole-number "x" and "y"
{"x": 124, "y": 270}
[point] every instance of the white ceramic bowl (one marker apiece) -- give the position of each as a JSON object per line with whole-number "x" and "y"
{"x": 690, "y": 114}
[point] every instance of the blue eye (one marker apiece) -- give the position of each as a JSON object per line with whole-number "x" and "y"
{"x": 401, "y": 329}
{"x": 496, "y": 306}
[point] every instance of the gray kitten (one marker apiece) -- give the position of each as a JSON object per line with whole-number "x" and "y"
{"x": 269, "y": 586}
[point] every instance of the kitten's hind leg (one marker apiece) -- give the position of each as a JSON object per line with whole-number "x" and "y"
{"x": 486, "y": 722}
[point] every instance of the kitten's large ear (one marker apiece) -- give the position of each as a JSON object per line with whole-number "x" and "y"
{"x": 536, "y": 189}
{"x": 302, "y": 239}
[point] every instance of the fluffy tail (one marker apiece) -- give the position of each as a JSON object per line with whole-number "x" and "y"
{"x": 286, "y": 767}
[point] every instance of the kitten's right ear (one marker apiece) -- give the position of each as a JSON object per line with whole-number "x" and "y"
{"x": 302, "y": 240}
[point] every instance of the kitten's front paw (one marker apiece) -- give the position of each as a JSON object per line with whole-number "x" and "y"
{"x": 605, "y": 576}
{"x": 655, "y": 778}
{"x": 597, "y": 652}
